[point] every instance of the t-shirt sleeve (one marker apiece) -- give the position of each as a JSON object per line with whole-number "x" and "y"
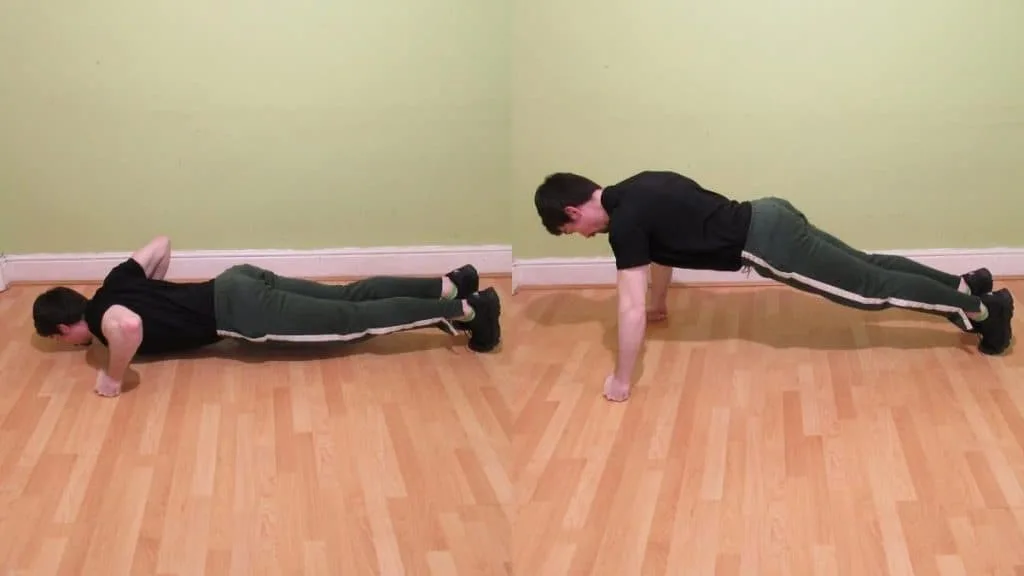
{"x": 630, "y": 244}
{"x": 94, "y": 312}
{"x": 130, "y": 269}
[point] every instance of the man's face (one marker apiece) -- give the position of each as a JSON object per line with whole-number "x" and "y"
{"x": 586, "y": 220}
{"x": 76, "y": 334}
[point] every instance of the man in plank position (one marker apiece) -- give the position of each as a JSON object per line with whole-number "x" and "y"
{"x": 135, "y": 311}
{"x": 660, "y": 220}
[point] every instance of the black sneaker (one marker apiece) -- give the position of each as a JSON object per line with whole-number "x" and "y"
{"x": 996, "y": 330}
{"x": 466, "y": 280}
{"x": 979, "y": 282}
{"x": 485, "y": 327}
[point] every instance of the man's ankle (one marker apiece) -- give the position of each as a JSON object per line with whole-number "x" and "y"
{"x": 980, "y": 315}
{"x": 449, "y": 291}
{"x": 467, "y": 312}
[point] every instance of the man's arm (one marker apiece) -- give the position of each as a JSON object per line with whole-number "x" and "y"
{"x": 661, "y": 277}
{"x": 155, "y": 257}
{"x": 123, "y": 330}
{"x": 630, "y": 242}
{"x": 632, "y": 320}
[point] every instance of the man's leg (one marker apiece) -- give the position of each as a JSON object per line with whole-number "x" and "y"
{"x": 784, "y": 247}
{"x": 248, "y": 307}
{"x": 458, "y": 283}
{"x": 976, "y": 282}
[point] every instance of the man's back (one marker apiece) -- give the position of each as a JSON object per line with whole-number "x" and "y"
{"x": 670, "y": 219}
{"x": 175, "y": 316}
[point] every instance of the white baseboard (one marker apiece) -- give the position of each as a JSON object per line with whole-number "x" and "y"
{"x": 330, "y": 263}
{"x": 431, "y": 260}
{"x": 553, "y": 272}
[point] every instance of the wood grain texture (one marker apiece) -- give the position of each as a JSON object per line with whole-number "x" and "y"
{"x": 385, "y": 457}
{"x": 769, "y": 433}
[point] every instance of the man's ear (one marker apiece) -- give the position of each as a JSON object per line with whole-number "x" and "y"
{"x": 573, "y": 212}
{"x": 63, "y": 329}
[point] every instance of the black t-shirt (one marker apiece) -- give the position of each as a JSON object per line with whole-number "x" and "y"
{"x": 668, "y": 219}
{"x": 175, "y": 316}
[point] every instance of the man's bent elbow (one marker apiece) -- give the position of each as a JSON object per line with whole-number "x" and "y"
{"x": 130, "y": 327}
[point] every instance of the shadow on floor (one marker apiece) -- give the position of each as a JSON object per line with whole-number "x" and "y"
{"x": 257, "y": 353}
{"x": 771, "y": 317}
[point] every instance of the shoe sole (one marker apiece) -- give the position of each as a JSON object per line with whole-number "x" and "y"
{"x": 1009, "y": 312}
{"x": 1006, "y": 299}
{"x": 493, "y": 316}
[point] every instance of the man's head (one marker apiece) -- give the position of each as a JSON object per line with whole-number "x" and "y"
{"x": 59, "y": 313}
{"x": 570, "y": 204}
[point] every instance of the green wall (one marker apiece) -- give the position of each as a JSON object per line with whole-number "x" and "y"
{"x": 253, "y": 125}
{"x": 897, "y": 125}
{"x": 305, "y": 125}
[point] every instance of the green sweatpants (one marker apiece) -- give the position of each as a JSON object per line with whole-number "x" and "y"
{"x": 784, "y": 246}
{"x": 256, "y": 304}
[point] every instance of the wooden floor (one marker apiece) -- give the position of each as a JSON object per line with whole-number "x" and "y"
{"x": 770, "y": 433}
{"x": 386, "y": 457}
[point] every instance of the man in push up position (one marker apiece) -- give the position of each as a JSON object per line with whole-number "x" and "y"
{"x": 663, "y": 220}
{"x": 135, "y": 311}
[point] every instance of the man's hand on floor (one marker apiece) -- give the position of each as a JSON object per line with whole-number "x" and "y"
{"x": 615, "y": 389}
{"x": 657, "y": 313}
{"x": 107, "y": 386}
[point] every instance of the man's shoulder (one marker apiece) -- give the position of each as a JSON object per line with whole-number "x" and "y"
{"x": 128, "y": 269}
{"x": 655, "y": 177}
{"x": 124, "y": 276}
{"x": 649, "y": 185}
{"x": 627, "y": 218}
{"x": 633, "y": 197}
{"x": 95, "y": 308}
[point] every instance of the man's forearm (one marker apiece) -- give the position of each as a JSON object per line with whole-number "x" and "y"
{"x": 661, "y": 277}
{"x": 632, "y": 324}
{"x": 155, "y": 257}
{"x": 162, "y": 266}
{"x": 165, "y": 261}
{"x": 122, "y": 348}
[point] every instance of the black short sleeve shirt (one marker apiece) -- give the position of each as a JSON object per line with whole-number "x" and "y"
{"x": 669, "y": 219}
{"x": 175, "y": 316}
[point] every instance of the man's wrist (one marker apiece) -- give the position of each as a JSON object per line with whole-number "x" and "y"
{"x": 108, "y": 375}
